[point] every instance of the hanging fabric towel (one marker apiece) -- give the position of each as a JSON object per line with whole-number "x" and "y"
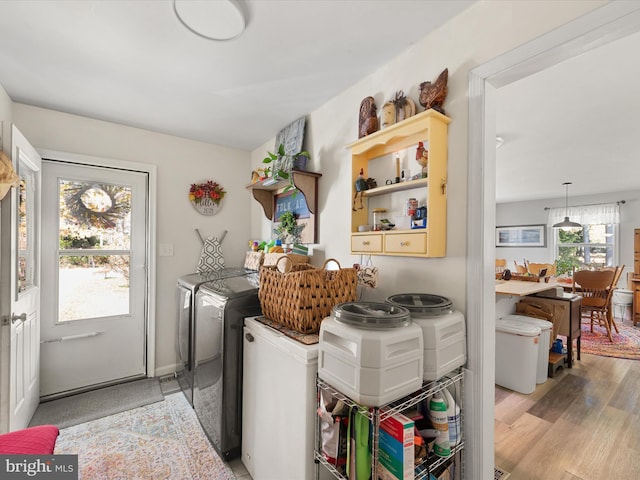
{"x": 211, "y": 258}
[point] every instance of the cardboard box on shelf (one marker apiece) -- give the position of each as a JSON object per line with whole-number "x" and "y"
{"x": 396, "y": 447}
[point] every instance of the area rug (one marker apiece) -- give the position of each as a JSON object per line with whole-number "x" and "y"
{"x": 626, "y": 344}
{"x": 163, "y": 440}
{"x": 83, "y": 407}
{"x": 500, "y": 474}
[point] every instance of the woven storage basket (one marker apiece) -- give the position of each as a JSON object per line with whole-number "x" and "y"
{"x": 301, "y": 296}
{"x": 271, "y": 259}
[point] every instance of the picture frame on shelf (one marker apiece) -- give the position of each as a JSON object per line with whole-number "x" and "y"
{"x": 287, "y": 201}
{"x": 521, "y": 236}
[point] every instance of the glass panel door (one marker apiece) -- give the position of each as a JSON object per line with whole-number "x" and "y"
{"x": 94, "y": 254}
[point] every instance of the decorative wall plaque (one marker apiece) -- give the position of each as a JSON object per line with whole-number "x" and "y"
{"x": 207, "y": 197}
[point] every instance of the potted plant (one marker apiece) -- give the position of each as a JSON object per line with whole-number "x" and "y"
{"x": 282, "y": 164}
{"x": 288, "y": 231}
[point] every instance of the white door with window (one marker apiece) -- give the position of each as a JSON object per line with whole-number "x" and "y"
{"x": 94, "y": 252}
{"x": 23, "y": 294}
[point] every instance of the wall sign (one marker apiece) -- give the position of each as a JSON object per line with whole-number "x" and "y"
{"x": 206, "y": 197}
{"x": 288, "y": 202}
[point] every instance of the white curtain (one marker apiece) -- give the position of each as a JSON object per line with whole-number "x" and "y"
{"x": 587, "y": 215}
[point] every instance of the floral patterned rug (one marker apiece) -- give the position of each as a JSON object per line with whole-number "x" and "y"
{"x": 163, "y": 440}
{"x": 626, "y": 344}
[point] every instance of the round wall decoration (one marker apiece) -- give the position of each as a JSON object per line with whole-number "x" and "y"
{"x": 207, "y": 197}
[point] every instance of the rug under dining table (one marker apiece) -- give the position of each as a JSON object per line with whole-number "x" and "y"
{"x": 626, "y": 343}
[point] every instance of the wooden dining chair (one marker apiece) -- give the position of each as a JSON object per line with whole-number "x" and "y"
{"x": 617, "y": 274}
{"x": 520, "y": 269}
{"x": 536, "y": 268}
{"x": 596, "y": 289}
{"x": 501, "y": 265}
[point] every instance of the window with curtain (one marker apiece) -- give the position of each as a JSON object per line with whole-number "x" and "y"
{"x": 594, "y": 245}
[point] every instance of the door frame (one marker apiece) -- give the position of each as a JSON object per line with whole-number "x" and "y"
{"x": 601, "y": 26}
{"x": 150, "y": 260}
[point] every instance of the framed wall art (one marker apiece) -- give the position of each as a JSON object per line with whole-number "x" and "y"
{"x": 521, "y": 236}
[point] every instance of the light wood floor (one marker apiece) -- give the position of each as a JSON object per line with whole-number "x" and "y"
{"x": 583, "y": 424}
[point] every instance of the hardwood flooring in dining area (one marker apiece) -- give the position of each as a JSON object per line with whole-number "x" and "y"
{"x": 583, "y": 424}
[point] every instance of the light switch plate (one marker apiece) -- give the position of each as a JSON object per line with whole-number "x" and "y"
{"x": 165, "y": 250}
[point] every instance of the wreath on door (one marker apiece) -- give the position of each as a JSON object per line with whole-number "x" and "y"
{"x": 98, "y": 205}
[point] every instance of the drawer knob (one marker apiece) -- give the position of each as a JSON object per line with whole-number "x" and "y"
{"x": 366, "y": 242}
{"x": 404, "y": 244}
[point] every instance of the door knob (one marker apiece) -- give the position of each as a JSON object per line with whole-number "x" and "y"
{"x": 22, "y": 317}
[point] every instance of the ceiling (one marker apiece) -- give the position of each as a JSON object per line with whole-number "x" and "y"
{"x": 574, "y": 122}
{"x": 132, "y": 62}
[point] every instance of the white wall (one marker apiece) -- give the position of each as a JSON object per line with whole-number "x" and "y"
{"x": 179, "y": 162}
{"x": 478, "y": 34}
{"x": 533, "y": 213}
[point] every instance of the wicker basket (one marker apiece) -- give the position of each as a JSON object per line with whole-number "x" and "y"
{"x": 301, "y": 296}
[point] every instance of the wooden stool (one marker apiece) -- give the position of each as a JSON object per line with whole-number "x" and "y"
{"x": 556, "y": 361}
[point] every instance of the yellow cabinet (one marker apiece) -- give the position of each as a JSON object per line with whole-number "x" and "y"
{"x": 429, "y": 127}
{"x": 406, "y": 243}
{"x": 370, "y": 243}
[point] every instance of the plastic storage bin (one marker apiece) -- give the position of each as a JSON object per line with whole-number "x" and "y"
{"x": 371, "y": 352}
{"x": 516, "y": 355}
{"x": 542, "y": 369}
{"x": 443, "y": 331}
{"x": 621, "y": 300}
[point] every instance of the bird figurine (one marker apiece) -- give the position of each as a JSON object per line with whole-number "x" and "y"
{"x": 368, "y": 121}
{"x": 432, "y": 95}
{"x": 422, "y": 157}
{"x": 360, "y": 186}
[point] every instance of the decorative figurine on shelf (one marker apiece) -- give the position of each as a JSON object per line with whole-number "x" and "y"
{"x": 368, "y": 121}
{"x": 387, "y": 115}
{"x": 432, "y": 95}
{"x": 422, "y": 157}
{"x": 404, "y": 107}
{"x": 360, "y": 185}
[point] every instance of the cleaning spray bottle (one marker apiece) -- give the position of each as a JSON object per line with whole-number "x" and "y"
{"x": 453, "y": 416}
{"x": 439, "y": 420}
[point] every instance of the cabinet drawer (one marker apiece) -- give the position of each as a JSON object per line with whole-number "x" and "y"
{"x": 406, "y": 243}
{"x": 366, "y": 243}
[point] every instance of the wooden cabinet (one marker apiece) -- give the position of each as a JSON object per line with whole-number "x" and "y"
{"x": 566, "y": 319}
{"x": 429, "y": 127}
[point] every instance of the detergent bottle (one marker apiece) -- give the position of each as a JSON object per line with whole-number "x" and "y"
{"x": 439, "y": 420}
{"x": 453, "y": 417}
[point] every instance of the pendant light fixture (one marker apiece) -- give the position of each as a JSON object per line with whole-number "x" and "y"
{"x": 566, "y": 223}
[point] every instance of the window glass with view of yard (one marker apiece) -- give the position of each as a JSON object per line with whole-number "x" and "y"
{"x": 94, "y": 250}
{"x": 589, "y": 247}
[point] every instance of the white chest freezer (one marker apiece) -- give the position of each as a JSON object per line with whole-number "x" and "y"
{"x": 278, "y": 404}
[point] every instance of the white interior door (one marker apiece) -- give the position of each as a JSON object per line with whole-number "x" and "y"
{"x": 24, "y": 285}
{"x": 94, "y": 239}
